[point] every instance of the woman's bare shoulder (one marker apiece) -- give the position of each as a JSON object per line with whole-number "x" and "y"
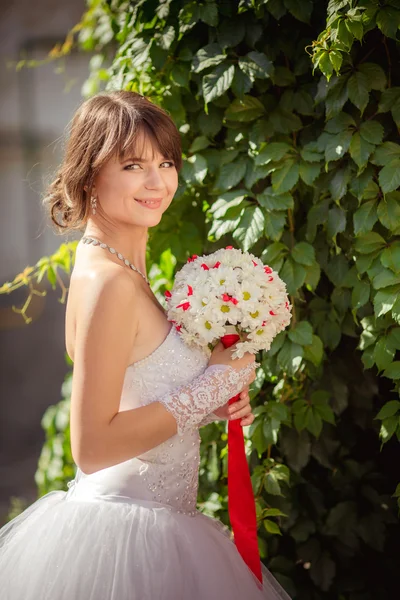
{"x": 97, "y": 290}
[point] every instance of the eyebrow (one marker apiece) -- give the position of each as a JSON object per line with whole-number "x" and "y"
{"x": 144, "y": 160}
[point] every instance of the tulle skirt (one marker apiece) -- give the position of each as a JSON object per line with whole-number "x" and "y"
{"x": 119, "y": 548}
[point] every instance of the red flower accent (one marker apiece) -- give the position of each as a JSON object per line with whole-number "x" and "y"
{"x": 184, "y": 305}
{"x": 228, "y": 247}
{"x": 167, "y": 294}
{"x": 267, "y": 270}
{"x": 228, "y": 298}
{"x": 190, "y": 290}
{"x": 192, "y": 258}
{"x": 270, "y": 278}
{"x": 271, "y": 312}
{"x": 254, "y": 263}
{"x": 287, "y": 305}
{"x": 263, "y": 323}
{"x": 217, "y": 264}
{"x": 204, "y": 266}
{"x": 178, "y": 327}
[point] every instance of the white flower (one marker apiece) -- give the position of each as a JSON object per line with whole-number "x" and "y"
{"x": 235, "y": 289}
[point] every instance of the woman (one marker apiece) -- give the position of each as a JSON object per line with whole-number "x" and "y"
{"x": 128, "y": 528}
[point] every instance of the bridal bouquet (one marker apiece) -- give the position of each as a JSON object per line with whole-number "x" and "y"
{"x": 228, "y": 287}
{"x": 213, "y": 295}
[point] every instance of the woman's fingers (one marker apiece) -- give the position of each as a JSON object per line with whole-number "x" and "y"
{"x": 247, "y": 420}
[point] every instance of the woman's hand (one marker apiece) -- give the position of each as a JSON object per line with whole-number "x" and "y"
{"x": 241, "y": 409}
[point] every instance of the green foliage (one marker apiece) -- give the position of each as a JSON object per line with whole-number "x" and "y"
{"x": 294, "y": 158}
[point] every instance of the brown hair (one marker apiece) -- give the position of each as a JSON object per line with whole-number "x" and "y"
{"x": 105, "y": 125}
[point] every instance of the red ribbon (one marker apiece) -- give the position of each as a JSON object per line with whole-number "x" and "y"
{"x": 241, "y": 505}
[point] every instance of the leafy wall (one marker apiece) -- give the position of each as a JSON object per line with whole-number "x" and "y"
{"x": 289, "y": 112}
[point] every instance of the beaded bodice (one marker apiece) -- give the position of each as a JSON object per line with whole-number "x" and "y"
{"x": 167, "y": 474}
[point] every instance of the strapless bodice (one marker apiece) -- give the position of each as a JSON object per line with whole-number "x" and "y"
{"x": 167, "y": 474}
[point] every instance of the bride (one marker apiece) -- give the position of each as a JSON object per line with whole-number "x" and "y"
{"x": 128, "y": 528}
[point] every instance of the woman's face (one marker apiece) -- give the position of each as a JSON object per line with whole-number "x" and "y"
{"x": 122, "y": 187}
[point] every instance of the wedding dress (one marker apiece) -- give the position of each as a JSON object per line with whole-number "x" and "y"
{"x": 132, "y": 531}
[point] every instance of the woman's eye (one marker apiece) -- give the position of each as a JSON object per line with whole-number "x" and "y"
{"x": 168, "y": 162}
{"x": 133, "y": 165}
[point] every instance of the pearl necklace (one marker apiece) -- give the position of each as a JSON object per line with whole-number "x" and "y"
{"x": 96, "y": 242}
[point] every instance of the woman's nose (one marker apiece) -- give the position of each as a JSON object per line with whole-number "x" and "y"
{"x": 154, "y": 179}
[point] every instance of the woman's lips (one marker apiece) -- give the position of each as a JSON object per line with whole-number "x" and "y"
{"x": 153, "y": 202}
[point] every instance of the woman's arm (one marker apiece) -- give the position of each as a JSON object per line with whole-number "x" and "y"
{"x": 100, "y": 435}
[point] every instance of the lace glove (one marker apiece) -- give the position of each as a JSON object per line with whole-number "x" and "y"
{"x": 191, "y": 403}
{"x": 211, "y": 418}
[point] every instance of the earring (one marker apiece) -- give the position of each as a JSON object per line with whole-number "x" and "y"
{"x": 94, "y": 204}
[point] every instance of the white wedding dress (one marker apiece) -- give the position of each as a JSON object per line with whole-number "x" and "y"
{"x": 132, "y": 531}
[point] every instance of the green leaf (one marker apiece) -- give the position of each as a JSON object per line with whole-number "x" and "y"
{"x": 314, "y": 352}
{"x": 358, "y": 91}
{"x": 199, "y": 143}
{"x": 303, "y": 253}
{"x": 360, "y": 294}
{"x": 384, "y": 300}
{"x": 273, "y": 512}
{"x": 230, "y": 175}
{"x": 209, "y": 13}
{"x": 336, "y": 221}
{"x": 241, "y": 83}
{"x": 385, "y": 278}
{"x": 272, "y": 201}
{"x": 226, "y": 201}
{"x": 274, "y": 225}
{"x": 388, "y": 20}
{"x": 209, "y": 56}
{"x": 336, "y": 59}
{"x": 194, "y": 169}
{"x": 256, "y": 66}
{"x": 355, "y": 28}
{"x": 271, "y": 484}
{"x": 276, "y": 8}
{"x": 383, "y": 354}
{"x": 343, "y": 121}
{"x": 302, "y": 333}
{"x": 389, "y": 409}
{"x": 390, "y": 257}
{"x": 250, "y": 228}
{"x": 293, "y": 275}
{"x": 274, "y": 151}
{"x": 393, "y": 370}
{"x": 310, "y": 153}
{"x": 360, "y": 150}
{"x": 385, "y": 153}
{"x": 365, "y": 217}
{"x": 396, "y": 310}
{"x": 309, "y": 172}
{"x": 365, "y": 244}
{"x": 337, "y": 145}
{"x": 285, "y": 178}
{"x": 313, "y": 276}
{"x": 300, "y": 9}
{"x": 375, "y": 75}
{"x": 217, "y": 82}
{"x": 388, "y": 428}
{"x": 244, "y": 109}
{"x": 389, "y": 176}
{"x": 313, "y": 422}
{"x": 271, "y": 527}
{"x": 289, "y": 357}
{"x": 229, "y": 34}
{"x": 167, "y": 37}
{"x": 372, "y": 132}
